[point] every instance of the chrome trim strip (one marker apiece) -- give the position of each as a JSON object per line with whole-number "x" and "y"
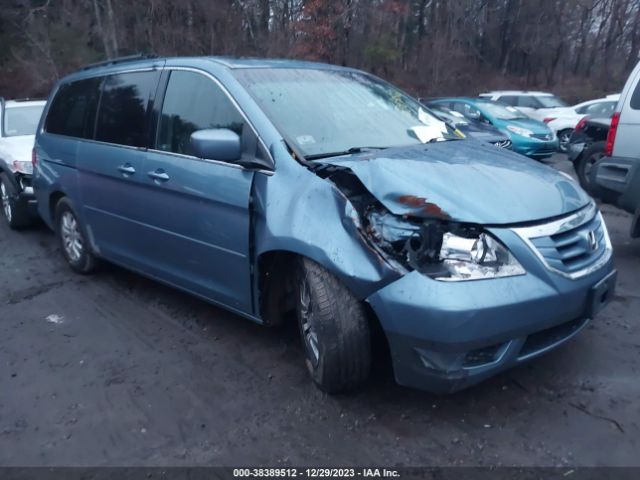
{"x": 559, "y": 226}
{"x": 215, "y": 162}
{"x": 562, "y": 225}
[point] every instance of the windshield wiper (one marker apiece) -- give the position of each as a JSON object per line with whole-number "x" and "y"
{"x": 351, "y": 150}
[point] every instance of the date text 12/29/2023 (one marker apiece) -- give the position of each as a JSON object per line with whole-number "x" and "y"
{"x": 315, "y": 472}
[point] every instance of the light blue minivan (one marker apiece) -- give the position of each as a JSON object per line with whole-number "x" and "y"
{"x": 272, "y": 187}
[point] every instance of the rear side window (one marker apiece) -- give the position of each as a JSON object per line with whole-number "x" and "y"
{"x": 509, "y": 100}
{"x": 528, "y": 101}
{"x": 635, "y": 98}
{"x": 73, "y": 109}
{"x": 193, "y": 102}
{"x": 122, "y": 118}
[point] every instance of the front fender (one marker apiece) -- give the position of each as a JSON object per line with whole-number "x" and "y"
{"x": 298, "y": 212}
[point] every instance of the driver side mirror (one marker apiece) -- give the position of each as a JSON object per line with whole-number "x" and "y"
{"x": 216, "y": 144}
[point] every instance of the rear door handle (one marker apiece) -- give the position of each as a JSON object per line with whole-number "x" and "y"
{"x": 159, "y": 176}
{"x": 126, "y": 169}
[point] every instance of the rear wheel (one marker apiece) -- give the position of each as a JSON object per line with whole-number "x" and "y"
{"x": 15, "y": 216}
{"x": 585, "y": 164}
{"x": 73, "y": 239}
{"x": 564, "y": 137}
{"x": 334, "y": 329}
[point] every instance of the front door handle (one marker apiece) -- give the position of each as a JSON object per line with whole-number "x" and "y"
{"x": 159, "y": 176}
{"x": 127, "y": 169}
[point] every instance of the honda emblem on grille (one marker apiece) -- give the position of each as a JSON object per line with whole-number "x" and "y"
{"x": 593, "y": 241}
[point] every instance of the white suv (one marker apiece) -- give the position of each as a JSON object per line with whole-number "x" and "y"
{"x": 527, "y": 102}
{"x": 18, "y": 123}
{"x": 617, "y": 174}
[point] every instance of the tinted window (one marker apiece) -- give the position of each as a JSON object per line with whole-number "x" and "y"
{"x": 549, "y": 101}
{"x": 529, "y": 102}
{"x": 193, "y": 102}
{"x": 72, "y": 111}
{"x": 122, "y": 118}
{"x": 509, "y": 100}
{"x": 635, "y": 98}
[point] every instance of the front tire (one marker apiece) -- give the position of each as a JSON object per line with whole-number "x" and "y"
{"x": 72, "y": 238}
{"x": 334, "y": 329}
{"x": 15, "y": 216}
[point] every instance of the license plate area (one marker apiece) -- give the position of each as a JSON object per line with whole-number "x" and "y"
{"x": 601, "y": 294}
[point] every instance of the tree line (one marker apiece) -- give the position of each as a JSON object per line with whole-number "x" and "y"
{"x": 579, "y": 48}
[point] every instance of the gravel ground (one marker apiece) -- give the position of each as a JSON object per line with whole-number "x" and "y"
{"x": 115, "y": 369}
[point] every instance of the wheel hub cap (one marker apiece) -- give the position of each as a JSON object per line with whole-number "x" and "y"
{"x": 309, "y": 334}
{"x": 71, "y": 237}
{"x": 6, "y": 204}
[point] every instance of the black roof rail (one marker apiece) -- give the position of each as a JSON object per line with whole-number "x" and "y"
{"x": 114, "y": 61}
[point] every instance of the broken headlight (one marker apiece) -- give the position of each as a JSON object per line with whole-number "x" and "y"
{"x": 444, "y": 252}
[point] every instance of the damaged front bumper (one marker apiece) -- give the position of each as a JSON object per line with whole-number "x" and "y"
{"x": 446, "y": 336}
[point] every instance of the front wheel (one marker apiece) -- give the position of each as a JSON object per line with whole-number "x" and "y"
{"x": 334, "y": 330}
{"x": 564, "y": 138}
{"x": 15, "y": 216}
{"x": 73, "y": 240}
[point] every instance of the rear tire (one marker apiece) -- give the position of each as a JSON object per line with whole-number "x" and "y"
{"x": 73, "y": 239}
{"x": 585, "y": 163}
{"x": 334, "y": 329}
{"x": 13, "y": 213}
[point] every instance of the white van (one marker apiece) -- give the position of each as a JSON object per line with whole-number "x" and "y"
{"x": 617, "y": 175}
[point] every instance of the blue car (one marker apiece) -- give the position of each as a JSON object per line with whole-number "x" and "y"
{"x": 529, "y": 137}
{"x": 281, "y": 189}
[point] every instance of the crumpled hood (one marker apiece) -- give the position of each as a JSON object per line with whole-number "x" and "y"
{"x": 464, "y": 180}
{"x": 16, "y": 148}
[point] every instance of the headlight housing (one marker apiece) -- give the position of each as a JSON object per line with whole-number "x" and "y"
{"x": 444, "y": 252}
{"x": 476, "y": 258}
{"x": 524, "y": 132}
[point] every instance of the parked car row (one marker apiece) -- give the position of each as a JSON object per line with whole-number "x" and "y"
{"x": 18, "y": 122}
{"x": 275, "y": 187}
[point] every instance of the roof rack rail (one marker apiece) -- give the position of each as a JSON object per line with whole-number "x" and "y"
{"x": 114, "y": 61}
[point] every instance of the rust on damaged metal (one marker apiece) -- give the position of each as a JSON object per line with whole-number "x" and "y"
{"x": 424, "y": 205}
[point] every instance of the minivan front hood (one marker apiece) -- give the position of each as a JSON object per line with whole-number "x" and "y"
{"x": 466, "y": 181}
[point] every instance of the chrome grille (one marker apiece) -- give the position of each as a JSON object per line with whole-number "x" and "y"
{"x": 573, "y": 246}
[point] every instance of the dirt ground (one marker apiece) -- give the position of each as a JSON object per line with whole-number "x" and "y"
{"x": 115, "y": 369}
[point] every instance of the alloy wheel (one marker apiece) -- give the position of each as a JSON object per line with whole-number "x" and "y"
{"x": 563, "y": 139}
{"x": 71, "y": 237}
{"x": 6, "y": 202}
{"x": 309, "y": 334}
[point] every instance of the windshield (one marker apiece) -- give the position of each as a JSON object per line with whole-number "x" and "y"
{"x": 501, "y": 112}
{"x": 549, "y": 101}
{"x": 324, "y": 112}
{"x": 448, "y": 115}
{"x": 22, "y": 120}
